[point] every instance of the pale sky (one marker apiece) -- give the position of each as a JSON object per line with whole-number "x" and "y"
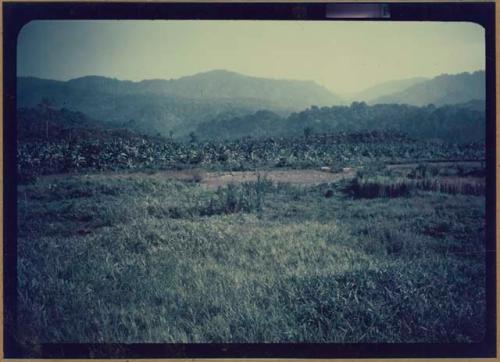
{"x": 342, "y": 56}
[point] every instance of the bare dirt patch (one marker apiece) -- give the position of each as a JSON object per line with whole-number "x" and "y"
{"x": 298, "y": 177}
{"x": 213, "y": 180}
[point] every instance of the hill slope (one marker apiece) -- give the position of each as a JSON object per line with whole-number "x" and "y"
{"x": 384, "y": 89}
{"x": 291, "y": 94}
{"x": 164, "y": 106}
{"x": 443, "y": 89}
{"x": 217, "y": 84}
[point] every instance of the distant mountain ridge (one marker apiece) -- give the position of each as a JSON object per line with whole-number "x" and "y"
{"x": 179, "y": 106}
{"x": 384, "y": 89}
{"x": 176, "y": 105}
{"x": 226, "y": 84}
{"x": 215, "y": 84}
{"x": 441, "y": 90}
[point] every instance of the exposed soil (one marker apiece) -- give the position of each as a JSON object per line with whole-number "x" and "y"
{"x": 214, "y": 180}
{"x": 298, "y": 177}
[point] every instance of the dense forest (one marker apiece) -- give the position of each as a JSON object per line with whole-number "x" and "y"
{"x": 458, "y": 123}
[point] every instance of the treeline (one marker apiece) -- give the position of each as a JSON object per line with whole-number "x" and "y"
{"x": 47, "y": 124}
{"x": 451, "y": 123}
{"x": 454, "y": 123}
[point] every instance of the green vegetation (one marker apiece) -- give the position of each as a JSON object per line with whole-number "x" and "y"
{"x": 139, "y": 258}
{"x": 395, "y": 187}
{"x": 123, "y": 150}
{"x": 124, "y": 236}
{"x": 451, "y": 123}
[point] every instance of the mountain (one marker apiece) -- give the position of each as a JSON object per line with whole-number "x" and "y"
{"x": 177, "y": 105}
{"x": 222, "y": 104}
{"x": 383, "y": 89}
{"x": 291, "y": 94}
{"x": 441, "y": 90}
{"x": 218, "y": 84}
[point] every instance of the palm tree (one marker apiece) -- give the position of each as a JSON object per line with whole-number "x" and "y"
{"x": 47, "y": 105}
{"x": 307, "y": 132}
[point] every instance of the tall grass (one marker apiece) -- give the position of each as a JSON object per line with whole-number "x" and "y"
{"x": 451, "y": 186}
{"x": 246, "y": 197}
{"x": 124, "y": 260}
{"x": 380, "y": 186}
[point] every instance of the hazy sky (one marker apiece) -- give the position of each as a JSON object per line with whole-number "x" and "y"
{"x": 343, "y": 56}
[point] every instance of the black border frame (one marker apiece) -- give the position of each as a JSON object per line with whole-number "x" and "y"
{"x": 15, "y": 15}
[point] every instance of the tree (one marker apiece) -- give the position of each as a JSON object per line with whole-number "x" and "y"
{"x": 358, "y": 105}
{"x": 192, "y": 137}
{"x": 307, "y": 132}
{"x": 47, "y": 105}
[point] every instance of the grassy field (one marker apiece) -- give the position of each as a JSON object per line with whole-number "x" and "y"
{"x": 150, "y": 259}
